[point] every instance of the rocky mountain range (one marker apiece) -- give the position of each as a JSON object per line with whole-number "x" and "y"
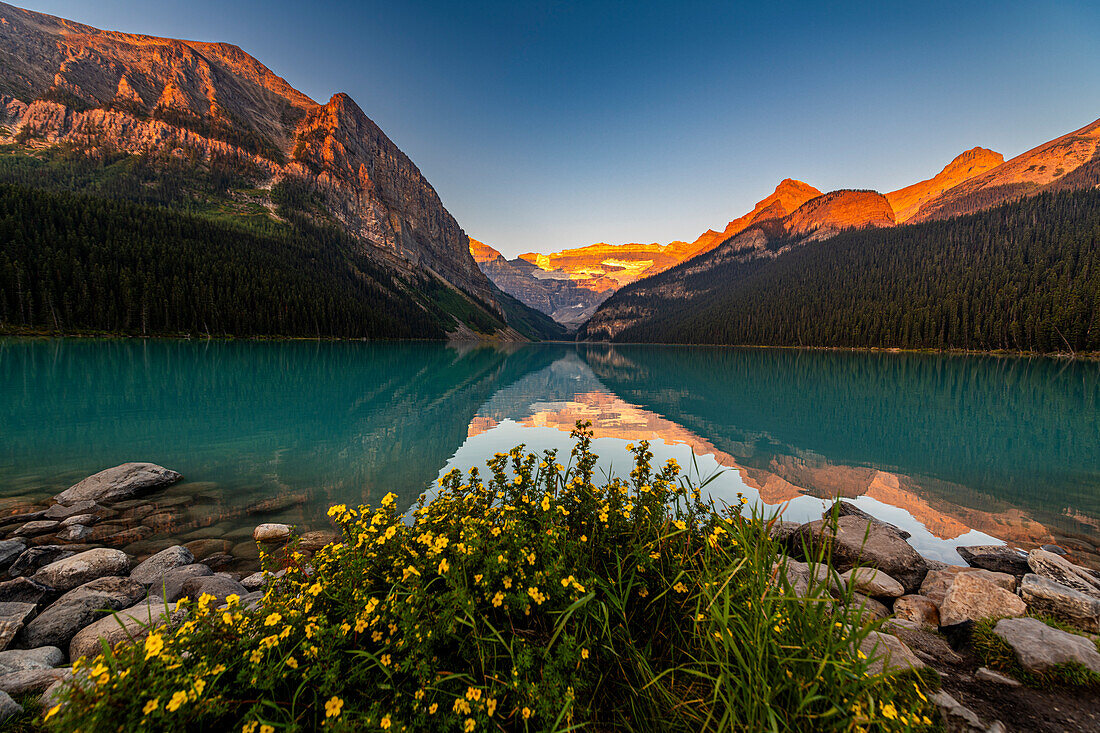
{"x": 64, "y": 85}
{"x": 975, "y": 180}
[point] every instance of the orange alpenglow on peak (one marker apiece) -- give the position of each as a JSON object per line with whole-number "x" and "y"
{"x": 788, "y": 196}
{"x": 907, "y": 201}
{"x": 482, "y": 252}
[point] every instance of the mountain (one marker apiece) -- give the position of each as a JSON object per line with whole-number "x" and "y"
{"x": 208, "y": 129}
{"x": 1024, "y": 276}
{"x": 788, "y": 196}
{"x": 1069, "y": 162}
{"x": 906, "y": 202}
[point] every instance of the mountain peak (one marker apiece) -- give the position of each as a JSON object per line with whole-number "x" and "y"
{"x": 907, "y": 201}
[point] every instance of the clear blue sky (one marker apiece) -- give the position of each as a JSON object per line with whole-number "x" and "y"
{"x": 546, "y": 125}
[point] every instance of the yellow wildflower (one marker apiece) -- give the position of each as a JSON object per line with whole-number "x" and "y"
{"x": 178, "y": 698}
{"x": 151, "y": 706}
{"x": 386, "y": 723}
{"x": 444, "y": 566}
{"x": 526, "y": 713}
{"x": 273, "y": 619}
{"x": 154, "y": 643}
{"x": 333, "y": 707}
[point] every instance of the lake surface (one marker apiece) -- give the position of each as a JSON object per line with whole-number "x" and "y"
{"x": 958, "y": 450}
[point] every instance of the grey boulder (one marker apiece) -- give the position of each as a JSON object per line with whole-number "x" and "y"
{"x": 888, "y": 654}
{"x": 16, "y": 660}
{"x": 62, "y": 511}
{"x": 972, "y": 598}
{"x": 32, "y": 680}
{"x": 872, "y": 582}
{"x": 1040, "y": 647}
{"x": 1060, "y": 570}
{"x": 170, "y": 585}
{"x": 8, "y": 707}
{"x": 998, "y": 558}
{"x": 1067, "y": 604}
{"x": 119, "y": 482}
{"x": 23, "y": 590}
{"x": 133, "y": 623}
{"x": 218, "y": 586}
{"x": 78, "y": 608}
{"x": 856, "y": 540}
{"x": 33, "y": 558}
{"x": 156, "y": 567}
{"x": 11, "y": 549}
{"x": 37, "y": 527}
{"x": 12, "y": 618}
{"x": 77, "y": 570}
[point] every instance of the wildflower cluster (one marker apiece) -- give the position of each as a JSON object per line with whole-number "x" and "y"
{"x": 530, "y": 599}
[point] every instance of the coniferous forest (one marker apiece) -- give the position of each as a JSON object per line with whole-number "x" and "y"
{"x": 1021, "y": 277}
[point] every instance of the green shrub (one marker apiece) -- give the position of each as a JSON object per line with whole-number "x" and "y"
{"x": 533, "y": 600}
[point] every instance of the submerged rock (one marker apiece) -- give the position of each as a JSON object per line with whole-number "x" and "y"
{"x": 1040, "y": 647}
{"x": 972, "y": 598}
{"x": 63, "y": 511}
{"x": 119, "y": 482}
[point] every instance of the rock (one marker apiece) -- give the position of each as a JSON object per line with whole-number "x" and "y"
{"x": 998, "y": 558}
{"x": 956, "y": 718}
{"x": 128, "y": 536}
{"x": 252, "y": 600}
{"x": 888, "y": 654}
{"x": 41, "y": 526}
{"x": 937, "y": 582}
{"x": 848, "y": 509}
{"x": 929, "y": 646}
{"x": 246, "y": 551}
{"x": 780, "y": 531}
{"x": 8, "y": 707}
{"x": 62, "y": 511}
{"x": 31, "y": 680}
{"x": 34, "y": 558}
{"x": 161, "y": 521}
{"x": 12, "y": 617}
{"x": 1062, "y": 571}
{"x": 869, "y": 606}
{"x": 270, "y": 533}
{"x": 153, "y": 569}
{"x": 23, "y": 590}
{"x": 1040, "y": 647}
{"x": 15, "y": 660}
{"x": 219, "y": 561}
{"x": 919, "y": 609}
{"x": 1064, "y": 603}
{"x": 203, "y": 549}
{"x": 872, "y": 582}
{"x": 10, "y": 550}
{"x": 857, "y": 541}
{"x": 257, "y": 581}
{"x": 85, "y": 520}
{"x": 75, "y": 533}
{"x": 972, "y": 598}
{"x": 79, "y": 569}
{"x": 216, "y": 585}
{"x": 120, "y": 482}
{"x": 170, "y": 586}
{"x": 78, "y": 608}
{"x": 133, "y": 623}
{"x": 985, "y": 674}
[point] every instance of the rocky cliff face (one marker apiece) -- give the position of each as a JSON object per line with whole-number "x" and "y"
{"x": 825, "y": 216}
{"x": 788, "y": 196}
{"x": 907, "y": 201}
{"x": 63, "y": 82}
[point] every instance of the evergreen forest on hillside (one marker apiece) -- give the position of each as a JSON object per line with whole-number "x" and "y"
{"x": 1024, "y": 276}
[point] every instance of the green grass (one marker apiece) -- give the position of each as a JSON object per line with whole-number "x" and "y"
{"x": 995, "y": 653}
{"x": 532, "y": 599}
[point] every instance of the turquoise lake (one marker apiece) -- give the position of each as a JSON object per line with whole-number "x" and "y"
{"x": 958, "y": 450}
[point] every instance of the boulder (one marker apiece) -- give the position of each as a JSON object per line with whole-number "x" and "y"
{"x": 120, "y": 482}
{"x": 888, "y": 654}
{"x": 170, "y": 585}
{"x": 62, "y": 511}
{"x": 856, "y": 540}
{"x": 85, "y": 520}
{"x": 872, "y": 582}
{"x": 929, "y": 646}
{"x": 23, "y": 590}
{"x": 33, "y": 558}
{"x": 998, "y": 558}
{"x": 77, "y": 570}
{"x": 1062, "y": 571}
{"x": 257, "y": 581}
{"x": 937, "y": 582}
{"x": 779, "y": 531}
{"x": 37, "y": 527}
{"x": 132, "y": 623}
{"x": 869, "y": 607}
{"x": 848, "y": 509}
{"x": 10, "y": 550}
{"x": 218, "y": 586}
{"x": 271, "y": 533}
{"x": 219, "y": 561}
{"x": 8, "y": 707}
{"x": 1040, "y": 647}
{"x": 75, "y": 533}
{"x": 81, "y": 606}
{"x": 12, "y": 617}
{"x": 919, "y": 609}
{"x": 972, "y": 598}
{"x": 31, "y": 680}
{"x": 1062, "y": 602}
{"x": 15, "y": 660}
{"x": 156, "y": 567}
{"x": 956, "y": 718}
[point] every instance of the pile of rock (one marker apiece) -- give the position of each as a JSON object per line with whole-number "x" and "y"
{"x": 64, "y": 593}
{"x": 922, "y": 597}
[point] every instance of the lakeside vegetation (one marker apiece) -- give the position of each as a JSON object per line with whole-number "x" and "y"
{"x": 1023, "y": 277}
{"x": 535, "y": 599}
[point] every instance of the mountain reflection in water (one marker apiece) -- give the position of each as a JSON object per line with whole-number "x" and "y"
{"x": 955, "y": 449}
